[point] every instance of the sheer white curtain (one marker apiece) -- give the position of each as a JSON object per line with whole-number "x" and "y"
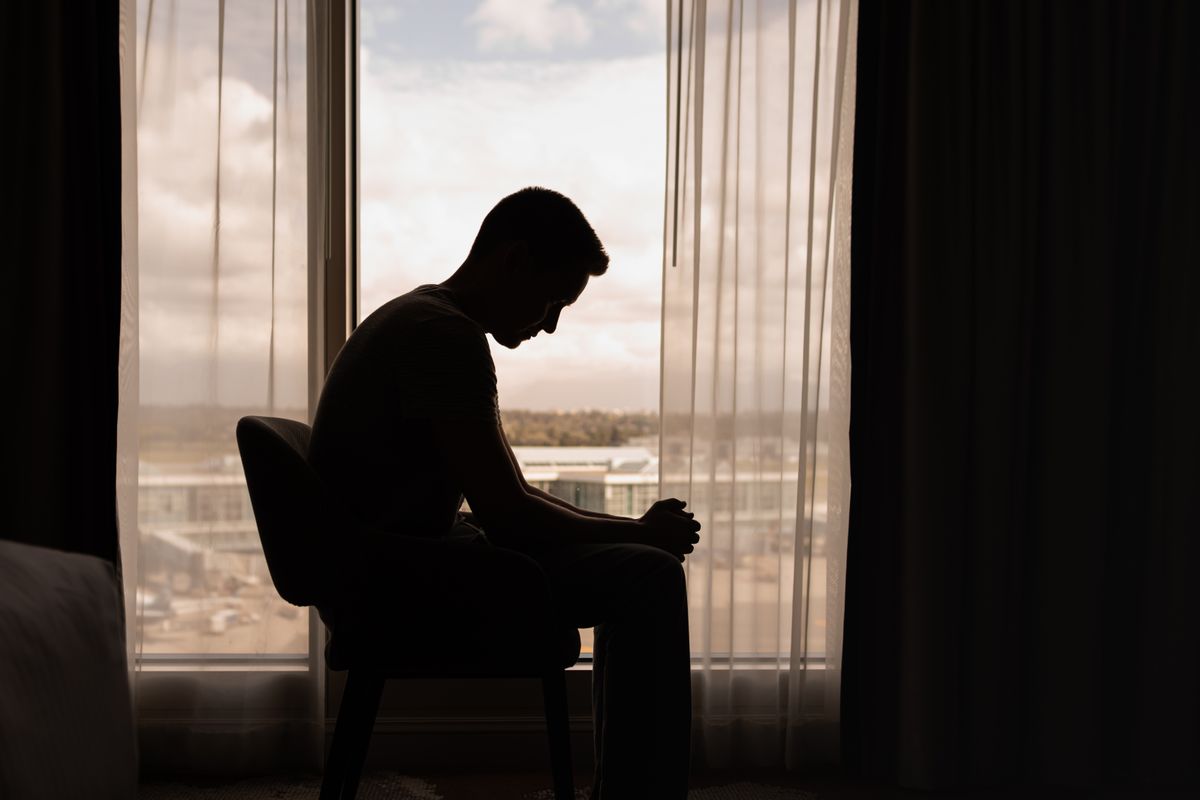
{"x": 127, "y": 361}
{"x": 756, "y": 362}
{"x": 215, "y": 327}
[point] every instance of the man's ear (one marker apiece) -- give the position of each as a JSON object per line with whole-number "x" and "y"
{"x": 515, "y": 258}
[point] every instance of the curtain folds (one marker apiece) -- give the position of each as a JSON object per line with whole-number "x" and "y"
{"x": 219, "y": 315}
{"x": 1022, "y": 604}
{"x": 127, "y": 358}
{"x": 755, "y": 370}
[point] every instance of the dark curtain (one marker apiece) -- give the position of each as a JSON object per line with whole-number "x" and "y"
{"x": 1023, "y": 575}
{"x": 61, "y": 304}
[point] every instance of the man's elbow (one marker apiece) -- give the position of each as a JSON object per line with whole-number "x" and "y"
{"x": 505, "y": 514}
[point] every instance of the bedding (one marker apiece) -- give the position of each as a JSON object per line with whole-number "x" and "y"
{"x": 66, "y": 722}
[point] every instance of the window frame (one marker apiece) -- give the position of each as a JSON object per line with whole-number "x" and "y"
{"x": 334, "y": 282}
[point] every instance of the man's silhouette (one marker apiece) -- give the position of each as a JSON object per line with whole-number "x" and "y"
{"x": 408, "y": 423}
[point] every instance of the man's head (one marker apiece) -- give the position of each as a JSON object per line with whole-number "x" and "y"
{"x": 535, "y": 252}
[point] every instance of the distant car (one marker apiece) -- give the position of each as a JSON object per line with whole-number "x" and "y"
{"x": 219, "y": 622}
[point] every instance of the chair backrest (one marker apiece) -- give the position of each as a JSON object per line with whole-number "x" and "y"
{"x": 290, "y": 506}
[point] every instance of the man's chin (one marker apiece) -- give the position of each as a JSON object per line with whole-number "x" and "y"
{"x": 511, "y": 342}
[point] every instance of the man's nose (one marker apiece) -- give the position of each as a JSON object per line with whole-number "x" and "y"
{"x": 551, "y": 322}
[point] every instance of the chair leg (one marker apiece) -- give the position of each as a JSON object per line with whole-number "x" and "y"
{"x": 554, "y": 693}
{"x": 352, "y": 735}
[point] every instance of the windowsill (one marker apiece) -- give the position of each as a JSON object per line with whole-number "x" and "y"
{"x": 234, "y": 663}
{"x": 297, "y": 663}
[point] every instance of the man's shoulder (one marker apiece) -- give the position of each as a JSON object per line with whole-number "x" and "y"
{"x": 427, "y": 301}
{"x": 423, "y": 327}
{"x": 426, "y": 308}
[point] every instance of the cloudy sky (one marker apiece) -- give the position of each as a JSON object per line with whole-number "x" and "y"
{"x": 462, "y": 102}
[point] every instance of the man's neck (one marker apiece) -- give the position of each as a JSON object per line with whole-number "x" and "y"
{"x": 472, "y": 297}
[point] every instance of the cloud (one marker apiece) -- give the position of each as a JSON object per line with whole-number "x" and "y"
{"x": 643, "y": 17}
{"x": 540, "y": 25}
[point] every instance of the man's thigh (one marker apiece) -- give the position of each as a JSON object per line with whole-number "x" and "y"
{"x": 598, "y": 583}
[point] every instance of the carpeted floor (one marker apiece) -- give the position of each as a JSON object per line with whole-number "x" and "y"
{"x": 391, "y": 786}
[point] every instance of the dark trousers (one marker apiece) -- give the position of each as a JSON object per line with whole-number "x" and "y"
{"x": 635, "y": 597}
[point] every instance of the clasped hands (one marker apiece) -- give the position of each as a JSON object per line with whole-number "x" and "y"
{"x": 669, "y": 527}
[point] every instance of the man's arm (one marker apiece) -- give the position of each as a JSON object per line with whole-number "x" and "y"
{"x": 570, "y": 506}
{"x": 477, "y": 454}
{"x": 558, "y": 501}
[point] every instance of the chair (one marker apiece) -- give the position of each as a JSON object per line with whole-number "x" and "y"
{"x": 494, "y": 614}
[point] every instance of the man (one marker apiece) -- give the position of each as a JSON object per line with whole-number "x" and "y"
{"x": 408, "y": 423}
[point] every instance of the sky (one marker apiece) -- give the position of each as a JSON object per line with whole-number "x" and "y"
{"x": 462, "y": 102}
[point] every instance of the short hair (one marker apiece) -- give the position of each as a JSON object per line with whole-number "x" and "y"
{"x": 552, "y": 227}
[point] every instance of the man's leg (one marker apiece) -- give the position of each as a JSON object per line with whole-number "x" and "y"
{"x": 636, "y": 598}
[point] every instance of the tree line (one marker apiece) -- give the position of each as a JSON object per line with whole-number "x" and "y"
{"x": 591, "y": 428}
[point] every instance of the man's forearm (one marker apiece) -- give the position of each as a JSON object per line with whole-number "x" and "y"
{"x": 558, "y": 501}
{"x": 540, "y": 520}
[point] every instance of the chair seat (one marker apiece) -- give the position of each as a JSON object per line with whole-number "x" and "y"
{"x": 502, "y": 652}
{"x": 410, "y": 606}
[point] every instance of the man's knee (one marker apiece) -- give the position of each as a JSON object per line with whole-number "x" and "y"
{"x": 663, "y": 571}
